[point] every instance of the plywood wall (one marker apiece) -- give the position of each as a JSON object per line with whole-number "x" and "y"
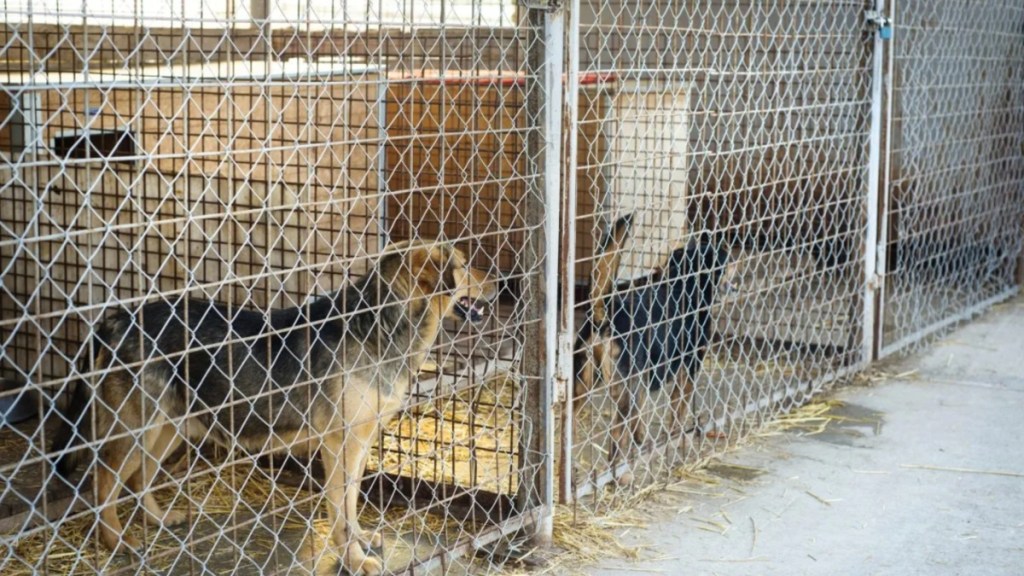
{"x": 455, "y": 160}
{"x": 260, "y": 201}
{"x": 455, "y": 165}
{"x": 648, "y": 171}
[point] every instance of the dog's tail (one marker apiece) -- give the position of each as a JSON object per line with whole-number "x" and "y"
{"x": 607, "y": 266}
{"x": 73, "y": 430}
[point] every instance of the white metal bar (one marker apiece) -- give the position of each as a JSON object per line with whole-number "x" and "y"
{"x": 565, "y": 369}
{"x": 554, "y": 29}
{"x": 874, "y": 166}
{"x": 382, "y": 143}
{"x": 882, "y": 263}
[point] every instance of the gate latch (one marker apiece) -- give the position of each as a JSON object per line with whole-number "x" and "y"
{"x": 881, "y": 22}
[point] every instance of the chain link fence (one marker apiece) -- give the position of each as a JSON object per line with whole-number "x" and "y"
{"x": 266, "y": 285}
{"x": 734, "y": 135}
{"x": 956, "y": 165}
{"x": 286, "y": 284}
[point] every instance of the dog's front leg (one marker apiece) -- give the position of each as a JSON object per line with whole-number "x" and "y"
{"x": 682, "y": 404}
{"x": 342, "y": 453}
{"x": 624, "y": 403}
{"x": 364, "y": 433}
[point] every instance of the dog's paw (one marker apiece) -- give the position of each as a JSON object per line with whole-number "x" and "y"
{"x": 130, "y": 545}
{"x": 173, "y": 518}
{"x": 355, "y": 561}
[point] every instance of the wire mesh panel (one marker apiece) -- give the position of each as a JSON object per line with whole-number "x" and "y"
{"x": 276, "y": 278}
{"x": 265, "y": 283}
{"x": 956, "y": 164}
{"x": 721, "y": 180}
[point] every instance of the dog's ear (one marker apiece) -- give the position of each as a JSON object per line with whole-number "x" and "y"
{"x": 433, "y": 267}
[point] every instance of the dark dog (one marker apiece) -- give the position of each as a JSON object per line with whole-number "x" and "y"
{"x": 332, "y": 372}
{"x": 654, "y": 328}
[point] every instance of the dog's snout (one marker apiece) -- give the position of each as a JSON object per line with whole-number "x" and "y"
{"x": 480, "y": 290}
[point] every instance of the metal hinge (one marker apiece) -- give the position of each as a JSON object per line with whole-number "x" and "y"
{"x": 543, "y": 5}
{"x": 881, "y": 22}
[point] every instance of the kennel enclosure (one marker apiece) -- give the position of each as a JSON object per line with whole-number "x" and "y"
{"x": 867, "y": 187}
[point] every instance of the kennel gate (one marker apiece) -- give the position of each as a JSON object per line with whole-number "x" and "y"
{"x": 865, "y": 205}
{"x": 951, "y": 236}
{"x": 752, "y": 121}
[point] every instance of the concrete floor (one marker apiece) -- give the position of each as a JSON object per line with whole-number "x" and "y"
{"x": 877, "y": 492}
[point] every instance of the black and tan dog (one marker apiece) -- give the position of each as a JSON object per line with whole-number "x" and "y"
{"x": 332, "y": 371}
{"x": 654, "y": 329}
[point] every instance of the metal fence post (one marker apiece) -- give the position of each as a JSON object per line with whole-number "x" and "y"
{"x": 885, "y": 205}
{"x": 567, "y": 325}
{"x": 544, "y": 97}
{"x": 872, "y": 281}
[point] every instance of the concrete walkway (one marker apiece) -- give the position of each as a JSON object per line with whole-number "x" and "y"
{"x": 925, "y": 476}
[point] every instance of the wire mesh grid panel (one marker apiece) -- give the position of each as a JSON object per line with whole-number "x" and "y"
{"x": 240, "y": 330}
{"x": 721, "y": 173}
{"x": 956, "y": 165}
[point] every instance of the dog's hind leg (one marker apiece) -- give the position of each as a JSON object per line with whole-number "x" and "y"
{"x": 622, "y": 441}
{"x": 584, "y": 360}
{"x": 159, "y": 443}
{"x": 119, "y": 418}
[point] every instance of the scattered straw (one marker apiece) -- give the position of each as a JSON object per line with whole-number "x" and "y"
{"x": 725, "y": 516}
{"x": 753, "y": 531}
{"x": 707, "y": 525}
{"x": 808, "y": 420}
{"x": 819, "y": 498}
{"x": 698, "y": 476}
{"x": 586, "y": 538}
{"x": 963, "y": 470}
{"x": 478, "y": 449}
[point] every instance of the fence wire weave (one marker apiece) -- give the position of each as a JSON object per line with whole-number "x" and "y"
{"x": 249, "y": 250}
{"x": 733, "y": 136}
{"x": 956, "y": 164}
{"x": 278, "y": 286}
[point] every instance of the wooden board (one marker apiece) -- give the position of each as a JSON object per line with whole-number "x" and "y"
{"x": 455, "y": 155}
{"x": 260, "y": 197}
